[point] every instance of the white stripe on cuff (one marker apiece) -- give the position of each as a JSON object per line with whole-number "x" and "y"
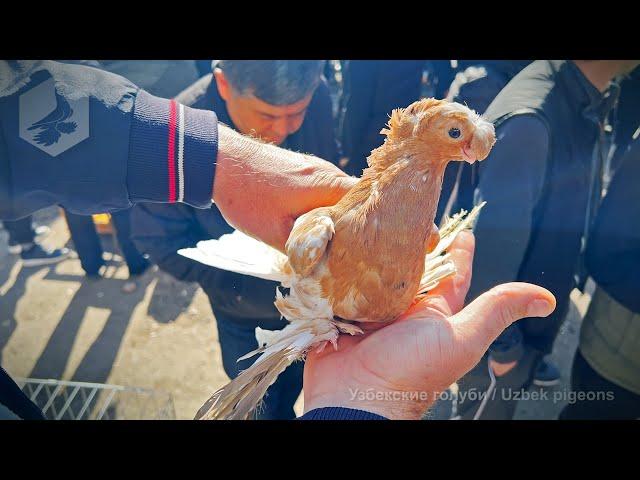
{"x": 181, "y": 153}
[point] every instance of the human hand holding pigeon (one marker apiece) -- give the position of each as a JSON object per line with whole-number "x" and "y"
{"x": 398, "y": 370}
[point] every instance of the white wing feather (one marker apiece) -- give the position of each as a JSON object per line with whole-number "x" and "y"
{"x": 240, "y": 253}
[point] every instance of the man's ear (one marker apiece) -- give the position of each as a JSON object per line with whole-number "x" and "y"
{"x": 224, "y": 89}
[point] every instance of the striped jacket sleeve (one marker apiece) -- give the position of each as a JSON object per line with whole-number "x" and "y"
{"x": 172, "y": 152}
{"x": 92, "y": 141}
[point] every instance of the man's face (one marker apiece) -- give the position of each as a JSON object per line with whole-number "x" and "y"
{"x": 252, "y": 116}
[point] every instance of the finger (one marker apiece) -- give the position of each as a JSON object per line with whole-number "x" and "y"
{"x": 483, "y": 320}
{"x": 448, "y": 297}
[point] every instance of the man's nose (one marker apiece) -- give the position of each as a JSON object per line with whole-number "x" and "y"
{"x": 281, "y": 127}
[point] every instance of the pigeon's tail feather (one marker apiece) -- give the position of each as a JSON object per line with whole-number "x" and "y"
{"x": 238, "y": 399}
{"x": 240, "y": 253}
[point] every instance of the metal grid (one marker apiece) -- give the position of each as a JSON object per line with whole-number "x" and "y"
{"x": 65, "y": 400}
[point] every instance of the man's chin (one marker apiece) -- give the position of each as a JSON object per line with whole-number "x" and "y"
{"x": 278, "y": 141}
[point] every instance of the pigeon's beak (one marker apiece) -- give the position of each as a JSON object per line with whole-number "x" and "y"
{"x": 481, "y": 143}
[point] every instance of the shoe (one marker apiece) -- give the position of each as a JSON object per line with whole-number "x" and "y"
{"x": 546, "y": 374}
{"x": 15, "y": 249}
{"x": 36, "y": 256}
{"x": 42, "y": 230}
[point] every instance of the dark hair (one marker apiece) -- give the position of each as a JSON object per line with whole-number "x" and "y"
{"x": 277, "y": 82}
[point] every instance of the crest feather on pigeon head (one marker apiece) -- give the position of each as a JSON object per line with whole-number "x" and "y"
{"x": 404, "y": 120}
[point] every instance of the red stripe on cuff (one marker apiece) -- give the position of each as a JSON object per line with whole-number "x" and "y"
{"x": 172, "y": 151}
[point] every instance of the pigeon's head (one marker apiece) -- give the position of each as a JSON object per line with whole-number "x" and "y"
{"x": 442, "y": 131}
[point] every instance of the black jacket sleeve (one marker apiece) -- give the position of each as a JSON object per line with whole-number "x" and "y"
{"x": 92, "y": 141}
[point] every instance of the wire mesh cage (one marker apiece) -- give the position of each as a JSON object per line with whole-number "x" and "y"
{"x": 65, "y": 400}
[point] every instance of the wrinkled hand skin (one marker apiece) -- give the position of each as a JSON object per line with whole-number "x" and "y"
{"x": 425, "y": 350}
{"x": 261, "y": 189}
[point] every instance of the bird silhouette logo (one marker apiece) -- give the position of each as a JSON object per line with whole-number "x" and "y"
{"x": 55, "y": 124}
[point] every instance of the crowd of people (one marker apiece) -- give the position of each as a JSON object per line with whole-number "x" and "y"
{"x": 559, "y": 185}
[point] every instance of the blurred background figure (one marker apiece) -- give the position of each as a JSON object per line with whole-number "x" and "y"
{"x": 23, "y": 241}
{"x": 163, "y": 78}
{"x": 475, "y": 85}
{"x": 370, "y": 90}
{"x": 624, "y": 119}
{"x": 284, "y": 102}
{"x": 606, "y": 368}
{"x": 89, "y": 248}
{"x": 203, "y": 67}
{"x": 543, "y": 181}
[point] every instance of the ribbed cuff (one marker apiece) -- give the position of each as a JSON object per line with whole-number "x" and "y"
{"x": 172, "y": 152}
{"x": 340, "y": 413}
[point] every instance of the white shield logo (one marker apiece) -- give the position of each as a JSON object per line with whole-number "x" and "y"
{"x": 51, "y": 122}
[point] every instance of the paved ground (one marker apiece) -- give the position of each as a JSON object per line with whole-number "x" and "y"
{"x": 55, "y": 323}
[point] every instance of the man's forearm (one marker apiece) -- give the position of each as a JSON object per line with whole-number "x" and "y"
{"x": 261, "y": 189}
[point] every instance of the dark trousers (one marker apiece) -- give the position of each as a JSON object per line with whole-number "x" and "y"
{"x": 601, "y": 399}
{"x": 87, "y": 242}
{"x": 135, "y": 261}
{"x": 20, "y": 231}
{"x": 503, "y": 399}
{"x": 237, "y": 337}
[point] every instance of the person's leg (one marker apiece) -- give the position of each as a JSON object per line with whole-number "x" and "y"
{"x": 541, "y": 336}
{"x": 22, "y": 240}
{"x": 20, "y": 232}
{"x": 86, "y": 242}
{"x": 237, "y": 337}
{"x": 593, "y": 397}
{"x": 503, "y": 398}
{"x": 136, "y": 263}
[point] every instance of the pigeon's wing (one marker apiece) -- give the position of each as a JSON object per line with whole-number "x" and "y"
{"x": 240, "y": 253}
{"x": 308, "y": 240}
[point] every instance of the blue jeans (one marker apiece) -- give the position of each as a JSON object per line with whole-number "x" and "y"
{"x": 237, "y": 337}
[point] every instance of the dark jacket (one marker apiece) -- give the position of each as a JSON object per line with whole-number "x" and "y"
{"x": 92, "y": 141}
{"x": 372, "y": 88}
{"x": 538, "y": 198}
{"x": 626, "y": 116}
{"x": 613, "y": 253}
{"x": 610, "y": 331}
{"x": 476, "y": 86}
{"x": 160, "y": 230}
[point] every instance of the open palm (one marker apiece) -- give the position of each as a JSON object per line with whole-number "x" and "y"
{"x": 398, "y": 370}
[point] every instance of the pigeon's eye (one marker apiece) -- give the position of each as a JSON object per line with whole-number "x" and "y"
{"x": 454, "y": 132}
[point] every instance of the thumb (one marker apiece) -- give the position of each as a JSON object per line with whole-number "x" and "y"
{"x": 484, "y": 319}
